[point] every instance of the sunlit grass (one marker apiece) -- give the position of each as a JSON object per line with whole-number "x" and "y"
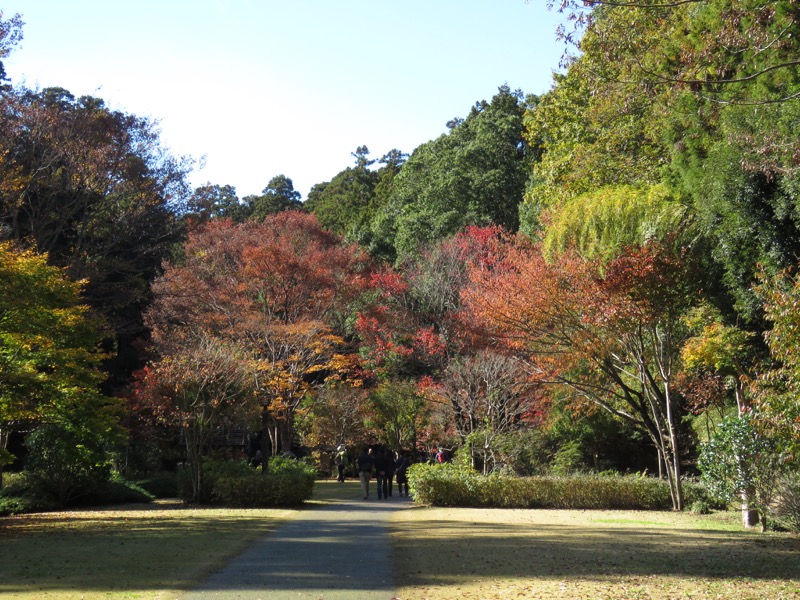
{"x": 151, "y": 552}
{"x": 494, "y": 553}
{"x": 145, "y": 552}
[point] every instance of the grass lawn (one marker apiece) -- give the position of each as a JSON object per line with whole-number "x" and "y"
{"x": 495, "y": 553}
{"x": 115, "y": 553}
{"x": 439, "y": 553}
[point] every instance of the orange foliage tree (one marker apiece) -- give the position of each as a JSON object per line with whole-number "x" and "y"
{"x": 280, "y": 290}
{"x": 611, "y": 335}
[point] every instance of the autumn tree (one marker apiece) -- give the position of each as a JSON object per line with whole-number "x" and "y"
{"x": 489, "y": 394}
{"x": 614, "y": 340}
{"x": 49, "y": 355}
{"x": 96, "y": 191}
{"x": 411, "y": 329}
{"x": 281, "y": 289}
{"x": 197, "y": 387}
{"x": 340, "y": 416}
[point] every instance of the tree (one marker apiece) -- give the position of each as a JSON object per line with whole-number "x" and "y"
{"x": 215, "y": 202}
{"x": 707, "y": 88}
{"x": 279, "y": 195}
{"x": 344, "y": 203}
{"x": 400, "y": 413}
{"x": 198, "y": 386}
{"x": 741, "y": 461}
{"x": 280, "y": 288}
{"x": 10, "y": 36}
{"x": 474, "y": 175}
{"x": 488, "y": 393}
{"x": 614, "y": 340}
{"x": 95, "y": 190}
{"x": 743, "y": 52}
{"x": 340, "y": 416}
{"x": 49, "y": 355}
{"x": 600, "y": 224}
{"x": 776, "y": 388}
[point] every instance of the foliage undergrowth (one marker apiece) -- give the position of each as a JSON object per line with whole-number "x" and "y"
{"x": 26, "y": 493}
{"x": 288, "y": 482}
{"x": 452, "y": 485}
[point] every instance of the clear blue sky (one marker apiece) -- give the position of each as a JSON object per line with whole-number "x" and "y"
{"x": 267, "y": 87}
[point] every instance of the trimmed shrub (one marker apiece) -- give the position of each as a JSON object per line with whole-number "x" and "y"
{"x": 448, "y": 485}
{"x": 288, "y": 482}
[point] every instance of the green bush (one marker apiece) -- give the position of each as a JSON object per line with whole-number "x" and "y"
{"x": 64, "y": 464}
{"x": 788, "y": 505}
{"x": 213, "y": 471}
{"x": 115, "y": 491}
{"x": 24, "y": 494}
{"x": 448, "y": 485}
{"x": 288, "y": 482}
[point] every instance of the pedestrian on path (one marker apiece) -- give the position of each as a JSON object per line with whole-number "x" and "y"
{"x": 383, "y": 471}
{"x": 401, "y": 466}
{"x": 341, "y": 462}
{"x": 366, "y": 464}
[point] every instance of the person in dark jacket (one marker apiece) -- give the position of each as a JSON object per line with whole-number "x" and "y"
{"x": 366, "y": 464}
{"x": 383, "y": 470}
{"x": 401, "y": 466}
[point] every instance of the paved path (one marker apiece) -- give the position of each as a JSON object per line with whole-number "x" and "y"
{"x": 338, "y": 551}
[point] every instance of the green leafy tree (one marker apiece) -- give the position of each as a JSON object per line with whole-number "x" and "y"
{"x": 49, "y": 354}
{"x": 346, "y": 201}
{"x": 279, "y": 195}
{"x": 400, "y": 412}
{"x": 601, "y": 224}
{"x": 777, "y": 388}
{"x": 95, "y": 190}
{"x": 711, "y": 88}
{"x": 741, "y": 460}
{"x": 473, "y": 175}
{"x": 215, "y": 202}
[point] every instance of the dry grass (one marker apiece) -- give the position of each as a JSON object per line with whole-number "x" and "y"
{"x": 439, "y": 553}
{"x": 493, "y": 553}
{"x": 122, "y": 553}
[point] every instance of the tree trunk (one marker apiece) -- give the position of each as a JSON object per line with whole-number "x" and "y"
{"x": 750, "y": 516}
{"x": 677, "y": 500}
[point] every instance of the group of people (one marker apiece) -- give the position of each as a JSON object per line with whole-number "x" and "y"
{"x": 386, "y": 467}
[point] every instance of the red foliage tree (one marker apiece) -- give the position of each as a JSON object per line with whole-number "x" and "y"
{"x": 609, "y": 336}
{"x": 279, "y": 289}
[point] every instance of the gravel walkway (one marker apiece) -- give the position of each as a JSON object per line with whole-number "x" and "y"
{"x": 338, "y": 551}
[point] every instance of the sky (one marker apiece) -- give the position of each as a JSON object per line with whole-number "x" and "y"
{"x": 251, "y": 89}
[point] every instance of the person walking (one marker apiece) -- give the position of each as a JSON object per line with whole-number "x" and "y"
{"x": 366, "y": 464}
{"x": 401, "y": 466}
{"x": 382, "y": 473}
{"x": 392, "y": 466}
{"x": 341, "y": 462}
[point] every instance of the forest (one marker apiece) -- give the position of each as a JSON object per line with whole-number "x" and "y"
{"x": 599, "y": 279}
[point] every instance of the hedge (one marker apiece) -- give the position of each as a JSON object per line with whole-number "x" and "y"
{"x": 451, "y": 485}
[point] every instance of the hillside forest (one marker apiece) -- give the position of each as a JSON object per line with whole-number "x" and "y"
{"x": 601, "y": 278}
